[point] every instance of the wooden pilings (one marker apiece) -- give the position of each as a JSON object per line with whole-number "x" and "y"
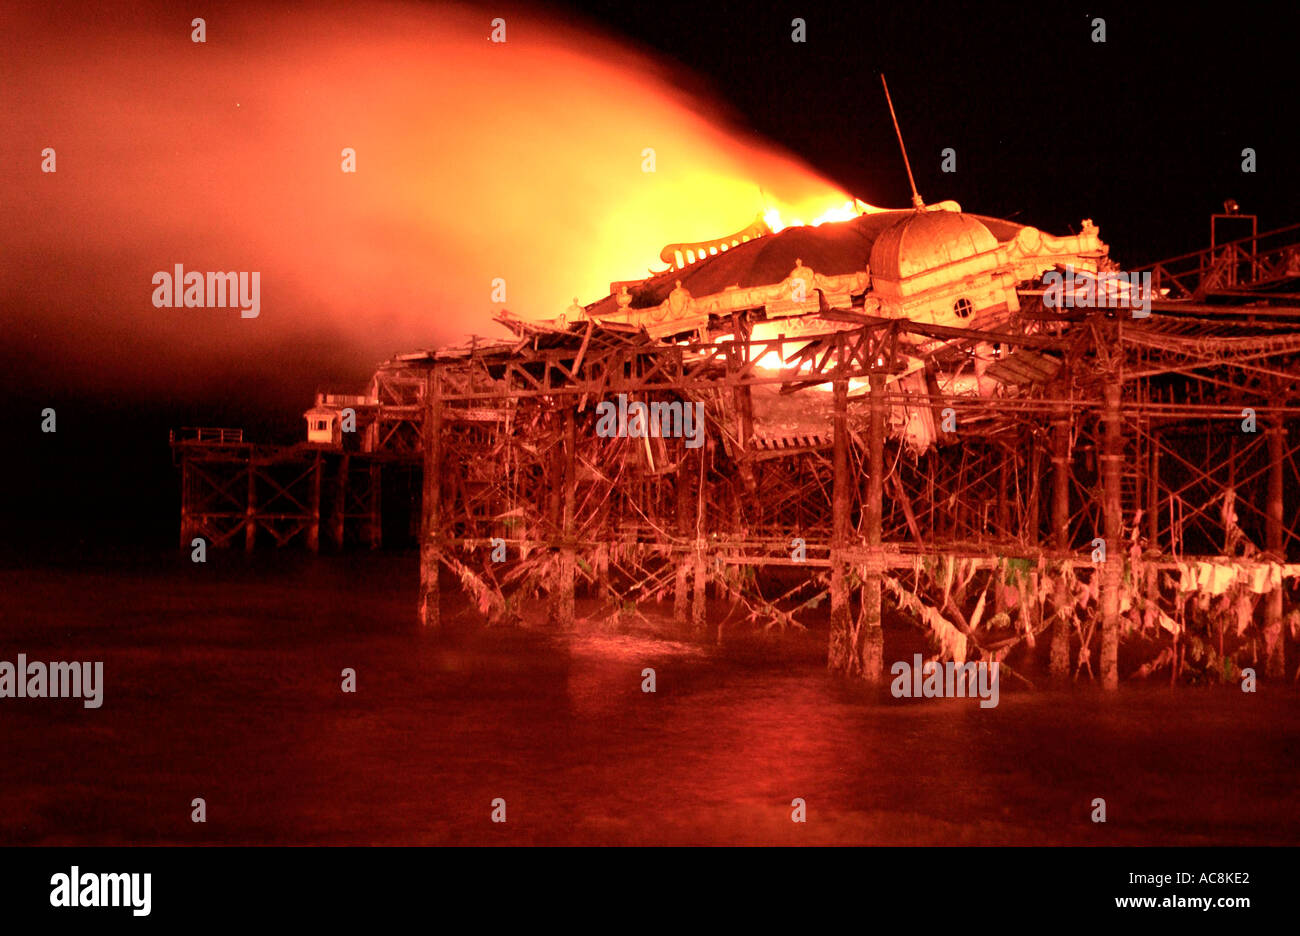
{"x": 699, "y": 493}
{"x": 565, "y": 607}
{"x": 187, "y": 520}
{"x": 431, "y": 505}
{"x": 338, "y": 521}
{"x": 1059, "y": 651}
{"x": 871, "y": 636}
{"x": 857, "y": 648}
{"x": 375, "y": 522}
{"x": 1112, "y": 571}
{"x": 685, "y": 514}
{"x": 250, "y": 523}
{"x": 842, "y": 654}
{"x": 1153, "y": 492}
{"x": 313, "y": 524}
{"x": 500, "y": 444}
{"x": 1274, "y": 655}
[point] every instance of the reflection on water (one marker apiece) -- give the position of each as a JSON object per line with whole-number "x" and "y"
{"x": 225, "y": 683}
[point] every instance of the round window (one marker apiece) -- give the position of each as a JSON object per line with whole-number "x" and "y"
{"x": 963, "y": 308}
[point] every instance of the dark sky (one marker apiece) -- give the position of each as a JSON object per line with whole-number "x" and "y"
{"x": 1142, "y": 133}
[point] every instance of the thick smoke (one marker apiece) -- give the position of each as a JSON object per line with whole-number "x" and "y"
{"x": 475, "y": 160}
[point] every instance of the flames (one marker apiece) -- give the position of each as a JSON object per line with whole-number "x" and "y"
{"x": 552, "y": 164}
{"x": 846, "y": 211}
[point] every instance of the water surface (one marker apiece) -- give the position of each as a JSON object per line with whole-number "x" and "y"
{"x": 223, "y": 682}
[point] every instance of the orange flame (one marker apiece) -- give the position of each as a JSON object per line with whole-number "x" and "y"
{"x": 555, "y": 162}
{"x": 838, "y": 212}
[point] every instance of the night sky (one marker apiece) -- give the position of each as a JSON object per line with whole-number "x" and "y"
{"x": 1143, "y": 134}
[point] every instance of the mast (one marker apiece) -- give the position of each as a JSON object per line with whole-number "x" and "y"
{"x": 916, "y": 199}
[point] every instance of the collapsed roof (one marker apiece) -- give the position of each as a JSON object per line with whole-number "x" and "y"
{"x": 935, "y": 265}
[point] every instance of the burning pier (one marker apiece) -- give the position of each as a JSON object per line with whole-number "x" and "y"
{"x": 899, "y": 412}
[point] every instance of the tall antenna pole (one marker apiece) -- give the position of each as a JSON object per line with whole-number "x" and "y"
{"x": 916, "y": 199}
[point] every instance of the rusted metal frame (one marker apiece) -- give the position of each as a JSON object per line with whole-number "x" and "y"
{"x": 686, "y": 384}
{"x": 515, "y": 369}
{"x": 216, "y": 537}
{"x": 282, "y": 490}
{"x": 1200, "y": 255}
{"x": 827, "y": 349}
{"x": 779, "y": 494}
{"x": 1199, "y": 520}
{"x": 1266, "y": 372}
{"x": 962, "y": 486}
{"x": 793, "y": 510}
{"x": 282, "y": 539}
{"x": 1173, "y": 414}
{"x": 804, "y": 353}
{"x": 1111, "y": 458}
{"x": 1275, "y": 543}
{"x": 395, "y": 427}
{"x": 1160, "y": 275}
{"x": 955, "y": 336}
{"x": 1024, "y": 405}
{"x": 909, "y": 515}
{"x": 221, "y": 489}
{"x": 842, "y": 651}
{"x": 657, "y": 362}
{"x": 1087, "y": 518}
{"x": 964, "y": 483}
{"x": 818, "y": 375}
{"x": 554, "y": 361}
{"x": 740, "y": 365}
{"x": 1190, "y": 375}
{"x": 431, "y": 544}
{"x": 1205, "y": 475}
{"x": 1206, "y": 480}
{"x": 860, "y": 347}
{"x": 1293, "y": 463}
{"x": 1188, "y": 369}
{"x": 708, "y": 361}
{"x": 588, "y": 512}
{"x": 1215, "y": 351}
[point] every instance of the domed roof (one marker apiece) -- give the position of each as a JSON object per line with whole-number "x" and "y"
{"x": 926, "y": 240}
{"x": 831, "y": 249}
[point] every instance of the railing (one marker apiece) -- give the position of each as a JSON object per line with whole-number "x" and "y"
{"x": 206, "y": 435}
{"x": 1249, "y": 260}
{"x": 683, "y": 255}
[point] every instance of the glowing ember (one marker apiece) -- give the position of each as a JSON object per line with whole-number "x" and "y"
{"x": 840, "y": 212}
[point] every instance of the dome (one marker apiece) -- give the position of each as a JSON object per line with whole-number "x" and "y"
{"x": 928, "y": 240}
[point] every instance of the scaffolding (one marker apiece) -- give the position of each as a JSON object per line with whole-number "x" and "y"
{"x": 1112, "y": 477}
{"x": 1124, "y": 471}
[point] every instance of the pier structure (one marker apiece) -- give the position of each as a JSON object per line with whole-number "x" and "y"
{"x": 326, "y": 491}
{"x": 899, "y": 416}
